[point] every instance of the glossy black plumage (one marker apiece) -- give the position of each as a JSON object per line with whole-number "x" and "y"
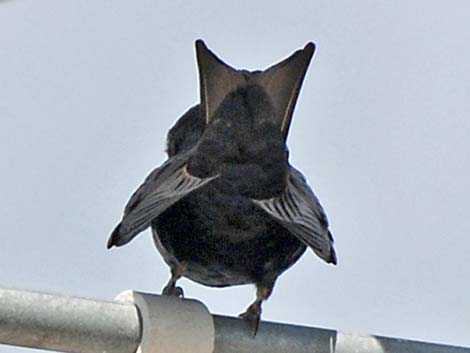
{"x": 226, "y": 208}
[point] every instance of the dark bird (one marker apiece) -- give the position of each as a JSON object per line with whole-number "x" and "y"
{"x": 226, "y": 208}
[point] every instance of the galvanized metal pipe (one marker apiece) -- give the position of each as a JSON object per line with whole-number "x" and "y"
{"x": 234, "y": 336}
{"x": 77, "y": 325}
{"x": 66, "y": 324}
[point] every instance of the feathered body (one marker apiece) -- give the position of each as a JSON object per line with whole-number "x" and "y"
{"x": 227, "y": 208}
{"x": 223, "y": 237}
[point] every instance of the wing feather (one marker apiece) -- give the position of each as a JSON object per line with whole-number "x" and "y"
{"x": 161, "y": 189}
{"x": 299, "y": 210}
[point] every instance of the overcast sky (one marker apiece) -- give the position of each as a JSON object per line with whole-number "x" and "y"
{"x": 88, "y": 90}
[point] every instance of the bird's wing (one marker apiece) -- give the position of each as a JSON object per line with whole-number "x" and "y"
{"x": 300, "y": 212}
{"x": 161, "y": 189}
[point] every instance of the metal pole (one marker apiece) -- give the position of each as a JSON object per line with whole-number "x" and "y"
{"x": 78, "y": 325}
{"x": 67, "y": 324}
{"x": 233, "y": 336}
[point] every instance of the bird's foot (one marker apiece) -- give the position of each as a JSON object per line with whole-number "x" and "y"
{"x": 177, "y": 270}
{"x": 174, "y": 291}
{"x": 252, "y": 315}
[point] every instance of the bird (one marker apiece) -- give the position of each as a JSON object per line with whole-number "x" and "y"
{"x": 227, "y": 208}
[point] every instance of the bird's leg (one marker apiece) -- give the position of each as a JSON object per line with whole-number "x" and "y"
{"x": 253, "y": 312}
{"x": 176, "y": 273}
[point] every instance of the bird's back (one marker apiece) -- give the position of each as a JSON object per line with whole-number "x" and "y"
{"x": 218, "y": 229}
{"x": 243, "y": 145}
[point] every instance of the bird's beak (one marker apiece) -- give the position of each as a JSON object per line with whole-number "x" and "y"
{"x": 282, "y": 82}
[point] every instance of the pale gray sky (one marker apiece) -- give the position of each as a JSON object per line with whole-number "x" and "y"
{"x": 88, "y": 90}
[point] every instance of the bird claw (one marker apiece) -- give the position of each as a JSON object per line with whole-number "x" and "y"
{"x": 173, "y": 291}
{"x": 252, "y": 316}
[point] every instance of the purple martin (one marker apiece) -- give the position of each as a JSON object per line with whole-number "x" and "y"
{"x": 226, "y": 208}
